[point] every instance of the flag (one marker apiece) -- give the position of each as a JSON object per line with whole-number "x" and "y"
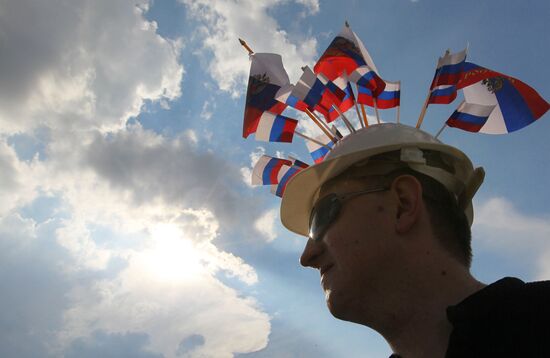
{"x": 266, "y": 170}
{"x": 367, "y": 77}
{"x": 516, "y": 103}
{"x": 297, "y": 162}
{"x": 443, "y": 94}
{"x": 267, "y": 76}
{"x": 449, "y": 69}
{"x": 341, "y": 96}
{"x": 389, "y": 98}
{"x": 317, "y": 151}
{"x": 470, "y": 117}
{"x": 286, "y": 173}
{"x": 344, "y": 54}
{"x": 275, "y": 128}
{"x": 364, "y": 96}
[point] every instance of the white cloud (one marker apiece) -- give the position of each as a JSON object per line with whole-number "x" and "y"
{"x": 80, "y": 86}
{"x": 225, "y": 21}
{"x": 266, "y": 224}
{"x": 499, "y": 226}
{"x": 169, "y": 291}
{"x": 207, "y": 110}
{"x": 246, "y": 172}
{"x": 95, "y": 75}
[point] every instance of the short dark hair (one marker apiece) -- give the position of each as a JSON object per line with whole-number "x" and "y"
{"x": 448, "y": 219}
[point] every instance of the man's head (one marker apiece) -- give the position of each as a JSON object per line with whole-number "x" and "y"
{"x": 402, "y": 202}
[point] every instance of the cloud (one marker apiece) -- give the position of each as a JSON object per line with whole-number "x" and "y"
{"x": 207, "y": 110}
{"x": 224, "y": 21}
{"x": 266, "y": 224}
{"x": 125, "y": 257}
{"x": 96, "y": 75}
{"x": 499, "y": 226}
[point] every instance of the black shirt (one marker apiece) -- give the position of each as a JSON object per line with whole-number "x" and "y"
{"x": 508, "y": 318}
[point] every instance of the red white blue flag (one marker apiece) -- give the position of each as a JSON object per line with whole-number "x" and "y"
{"x": 286, "y": 173}
{"x": 275, "y": 128}
{"x": 341, "y": 95}
{"x": 317, "y": 151}
{"x": 367, "y": 77}
{"x": 389, "y": 98}
{"x": 449, "y": 69}
{"x": 448, "y": 73}
{"x": 267, "y": 76}
{"x": 516, "y": 103}
{"x": 297, "y": 162}
{"x": 470, "y": 117}
{"x": 344, "y": 54}
{"x": 266, "y": 170}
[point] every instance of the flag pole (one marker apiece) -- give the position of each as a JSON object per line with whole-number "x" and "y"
{"x": 365, "y": 120}
{"x": 399, "y": 107}
{"x": 441, "y": 130}
{"x": 312, "y": 140}
{"x": 321, "y": 122}
{"x": 423, "y": 113}
{"x": 376, "y": 110}
{"x": 317, "y": 121}
{"x": 344, "y": 118}
{"x": 358, "y": 115}
{"x": 245, "y": 45}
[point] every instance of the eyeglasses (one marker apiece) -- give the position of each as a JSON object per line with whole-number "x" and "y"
{"x": 327, "y": 209}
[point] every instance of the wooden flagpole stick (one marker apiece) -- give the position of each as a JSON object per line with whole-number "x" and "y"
{"x": 365, "y": 115}
{"x": 358, "y": 115}
{"x": 311, "y": 139}
{"x": 245, "y": 45}
{"x": 318, "y": 123}
{"x": 441, "y": 130}
{"x": 322, "y": 122}
{"x": 423, "y": 113}
{"x": 376, "y": 111}
{"x": 345, "y": 119}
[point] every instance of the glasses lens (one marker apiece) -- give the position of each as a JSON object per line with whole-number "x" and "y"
{"x": 324, "y": 212}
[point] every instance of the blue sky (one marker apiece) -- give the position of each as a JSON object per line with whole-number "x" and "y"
{"x": 127, "y": 225}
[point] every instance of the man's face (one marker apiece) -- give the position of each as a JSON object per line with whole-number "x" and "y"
{"x": 358, "y": 254}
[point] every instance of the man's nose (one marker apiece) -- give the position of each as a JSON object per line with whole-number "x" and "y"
{"x": 312, "y": 252}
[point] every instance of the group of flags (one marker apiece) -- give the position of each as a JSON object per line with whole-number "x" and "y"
{"x": 493, "y": 103}
{"x": 327, "y": 89}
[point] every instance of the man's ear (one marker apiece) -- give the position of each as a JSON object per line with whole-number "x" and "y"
{"x": 407, "y": 191}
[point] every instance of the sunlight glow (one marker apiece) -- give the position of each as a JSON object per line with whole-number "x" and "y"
{"x": 173, "y": 257}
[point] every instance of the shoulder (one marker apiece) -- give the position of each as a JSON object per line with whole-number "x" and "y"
{"x": 507, "y": 318}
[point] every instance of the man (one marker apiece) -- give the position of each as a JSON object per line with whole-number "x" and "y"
{"x": 388, "y": 215}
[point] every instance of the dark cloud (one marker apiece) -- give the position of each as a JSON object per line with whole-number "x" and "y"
{"x": 150, "y": 167}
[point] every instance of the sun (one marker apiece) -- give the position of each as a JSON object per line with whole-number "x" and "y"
{"x": 172, "y": 257}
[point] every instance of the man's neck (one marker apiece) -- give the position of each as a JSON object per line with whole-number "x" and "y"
{"x": 418, "y": 326}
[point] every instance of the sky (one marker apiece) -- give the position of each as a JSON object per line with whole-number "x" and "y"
{"x": 128, "y": 226}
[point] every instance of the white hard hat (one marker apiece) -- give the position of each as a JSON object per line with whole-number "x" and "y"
{"x": 302, "y": 190}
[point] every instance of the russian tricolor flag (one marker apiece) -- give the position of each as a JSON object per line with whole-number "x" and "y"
{"x": 389, "y": 98}
{"x": 266, "y": 170}
{"x": 470, "y": 117}
{"x": 286, "y": 173}
{"x": 449, "y": 69}
{"x": 367, "y": 77}
{"x": 267, "y": 76}
{"x": 275, "y": 128}
{"x": 344, "y": 54}
{"x": 318, "y": 152}
{"x": 443, "y": 94}
{"x": 516, "y": 103}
